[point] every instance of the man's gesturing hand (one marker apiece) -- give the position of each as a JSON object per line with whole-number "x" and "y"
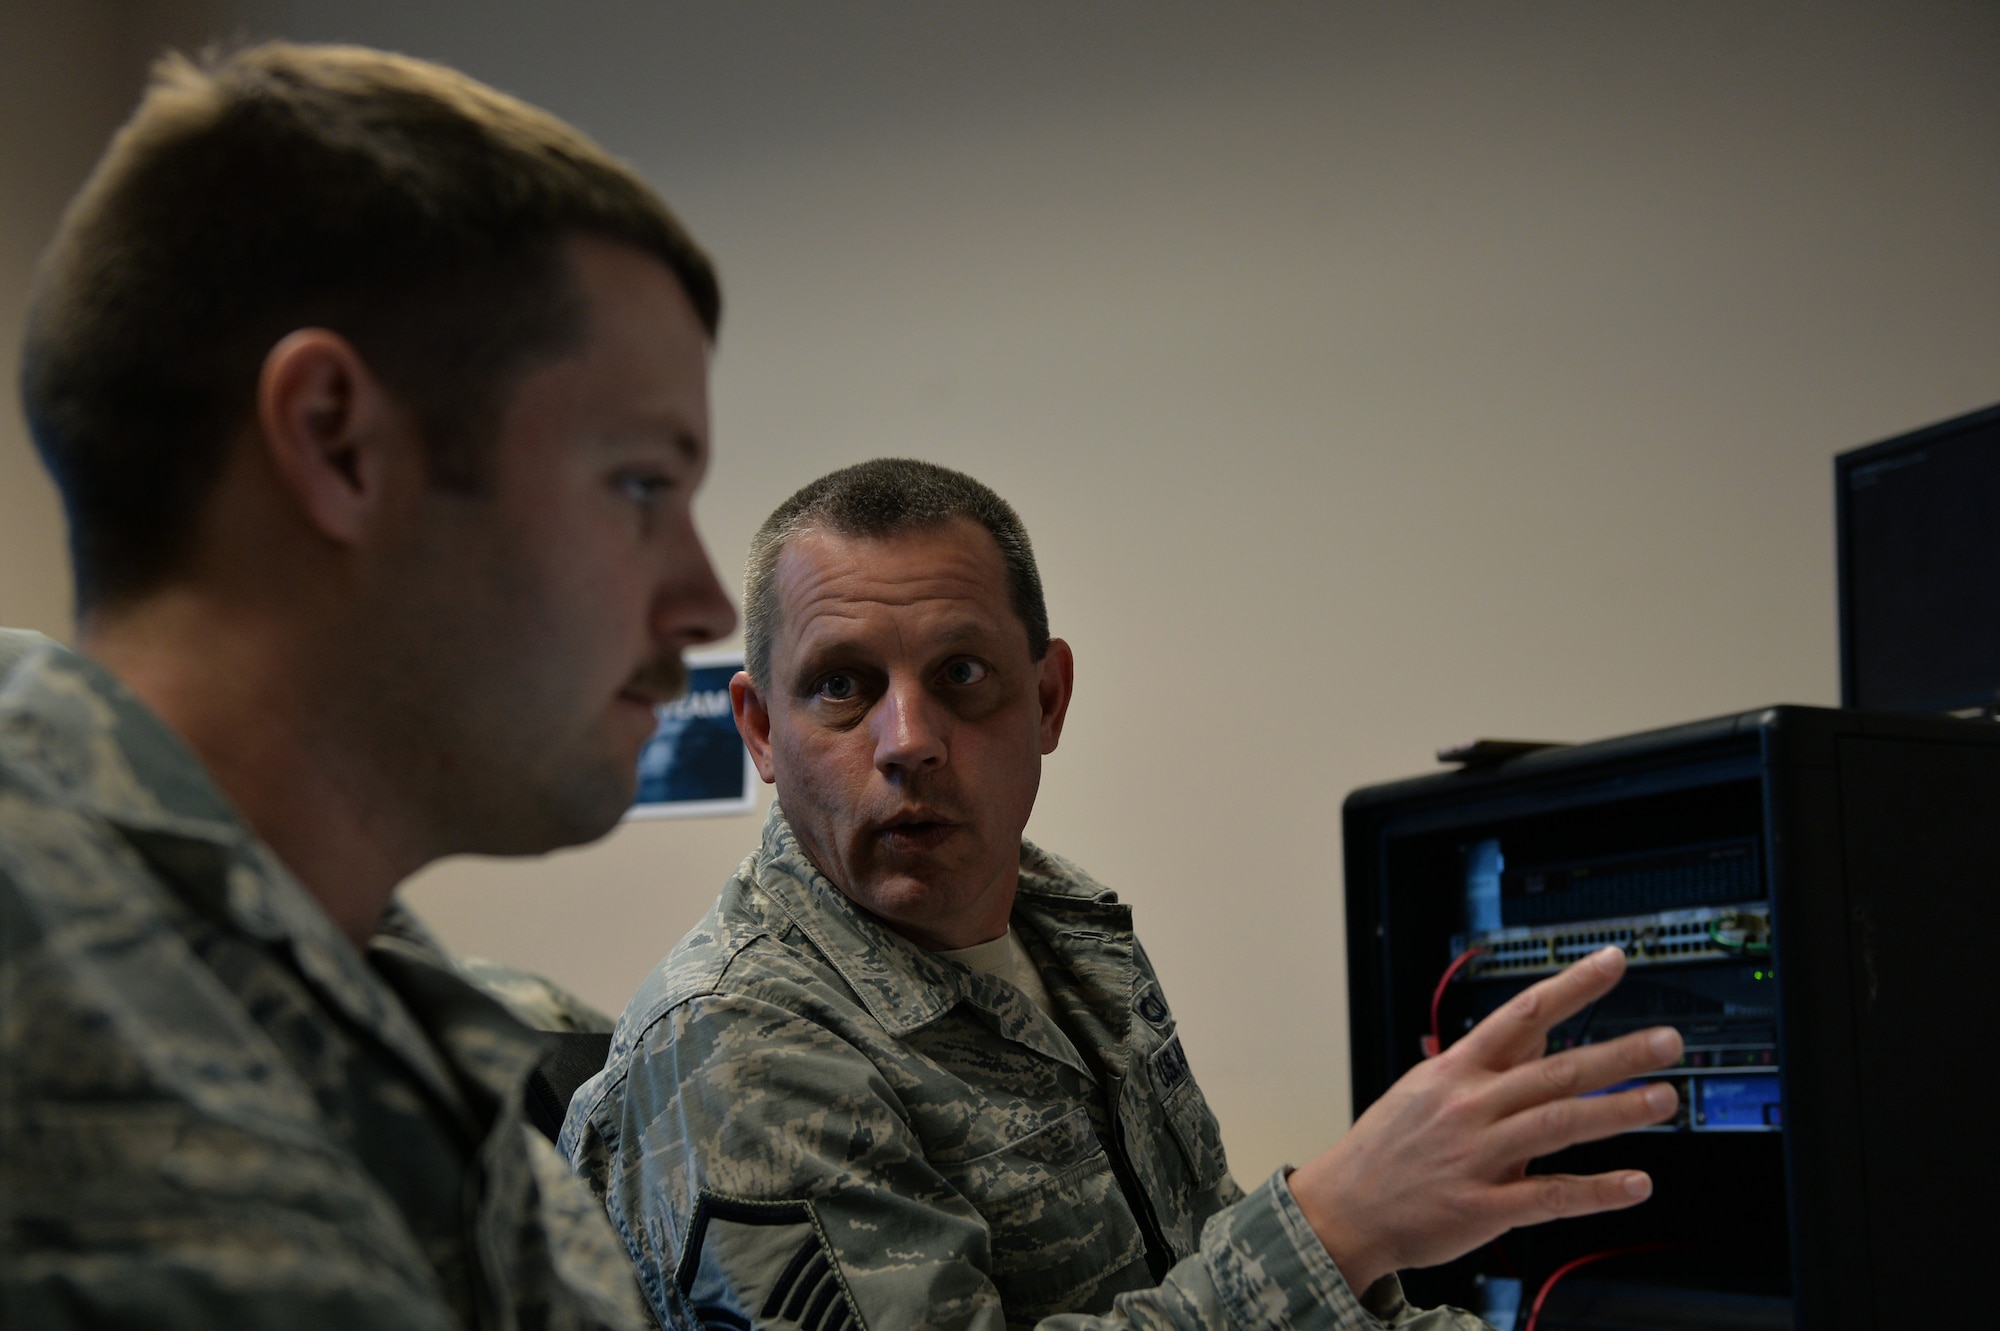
{"x": 1438, "y": 1165}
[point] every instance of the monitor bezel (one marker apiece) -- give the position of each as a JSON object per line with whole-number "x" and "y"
{"x": 1844, "y": 464}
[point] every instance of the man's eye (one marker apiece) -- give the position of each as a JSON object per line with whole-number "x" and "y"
{"x": 965, "y": 671}
{"x": 643, "y": 488}
{"x": 836, "y": 688}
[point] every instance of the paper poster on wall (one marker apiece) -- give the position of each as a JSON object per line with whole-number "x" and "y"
{"x": 695, "y": 763}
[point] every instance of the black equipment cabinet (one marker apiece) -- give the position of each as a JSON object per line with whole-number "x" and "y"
{"x": 1813, "y": 897}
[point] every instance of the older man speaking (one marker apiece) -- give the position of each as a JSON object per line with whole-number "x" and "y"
{"x": 913, "y": 1071}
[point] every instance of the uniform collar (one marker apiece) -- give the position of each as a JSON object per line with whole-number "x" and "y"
{"x": 87, "y": 743}
{"x": 1088, "y": 935}
{"x": 69, "y": 728}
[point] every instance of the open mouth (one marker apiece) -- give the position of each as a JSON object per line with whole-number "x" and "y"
{"x": 914, "y": 834}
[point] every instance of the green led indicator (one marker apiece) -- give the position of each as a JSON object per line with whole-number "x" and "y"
{"x": 1756, "y": 975}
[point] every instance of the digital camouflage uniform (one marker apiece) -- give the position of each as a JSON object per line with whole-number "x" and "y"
{"x": 808, "y": 1121}
{"x": 214, "y": 1111}
{"x": 535, "y": 1000}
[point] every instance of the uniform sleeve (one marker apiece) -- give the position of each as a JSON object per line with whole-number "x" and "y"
{"x": 126, "y": 1204}
{"x": 762, "y": 1173}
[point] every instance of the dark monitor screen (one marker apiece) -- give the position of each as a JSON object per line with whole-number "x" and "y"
{"x": 1919, "y": 523}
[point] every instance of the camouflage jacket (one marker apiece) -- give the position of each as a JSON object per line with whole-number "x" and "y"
{"x": 214, "y": 1110}
{"x": 808, "y": 1121}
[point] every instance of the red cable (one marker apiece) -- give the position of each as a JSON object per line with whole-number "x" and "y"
{"x": 1535, "y": 1313}
{"x": 1434, "y": 1045}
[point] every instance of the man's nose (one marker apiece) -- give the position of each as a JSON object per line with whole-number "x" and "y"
{"x": 691, "y": 606}
{"x": 910, "y": 730}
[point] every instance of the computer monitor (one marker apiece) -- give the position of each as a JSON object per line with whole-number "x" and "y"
{"x": 1919, "y": 519}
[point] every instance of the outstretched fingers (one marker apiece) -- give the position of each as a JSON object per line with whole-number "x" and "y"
{"x": 1540, "y": 1197}
{"x": 1547, "y": 1128}
{"x": 1582, "y": 1070}
{"x": 1437, "y": 1165}
{"x": 1519, "y": 1029}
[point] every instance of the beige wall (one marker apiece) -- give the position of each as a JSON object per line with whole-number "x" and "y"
{"x": 69, "y": 72}
{"x": 61, "y": 66}
{"x": 1371, "y": 377}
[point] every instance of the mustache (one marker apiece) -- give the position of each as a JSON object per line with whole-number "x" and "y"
{"x": 662, "y": 679}
{"x": 925, "y": 801}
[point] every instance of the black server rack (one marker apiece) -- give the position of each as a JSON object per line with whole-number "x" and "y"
{"x": 1813, "y": 897}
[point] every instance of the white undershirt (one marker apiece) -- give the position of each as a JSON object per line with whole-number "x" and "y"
{"x": 1006, "y": 958}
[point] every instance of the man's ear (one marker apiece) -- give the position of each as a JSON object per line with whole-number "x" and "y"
{"x": 753, "y": 722}
{"x": 326, "y": 421}
{"x": 1053, "y": 684}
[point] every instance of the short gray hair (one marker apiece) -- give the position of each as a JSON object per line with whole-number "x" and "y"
{"x": 886, "y": 497}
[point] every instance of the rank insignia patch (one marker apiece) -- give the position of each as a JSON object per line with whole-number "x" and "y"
{"x": 751, "y": 1264}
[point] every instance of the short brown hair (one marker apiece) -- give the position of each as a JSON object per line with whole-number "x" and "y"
{"x": 880, "y": 498}
{"x": 413, "y": 210}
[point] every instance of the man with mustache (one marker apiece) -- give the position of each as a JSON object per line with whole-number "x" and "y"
{"x": 377, "y": 401}
{"x": 913, "y": 1071}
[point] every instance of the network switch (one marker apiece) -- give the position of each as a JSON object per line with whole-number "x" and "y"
{"x": 1706, "y": 933}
